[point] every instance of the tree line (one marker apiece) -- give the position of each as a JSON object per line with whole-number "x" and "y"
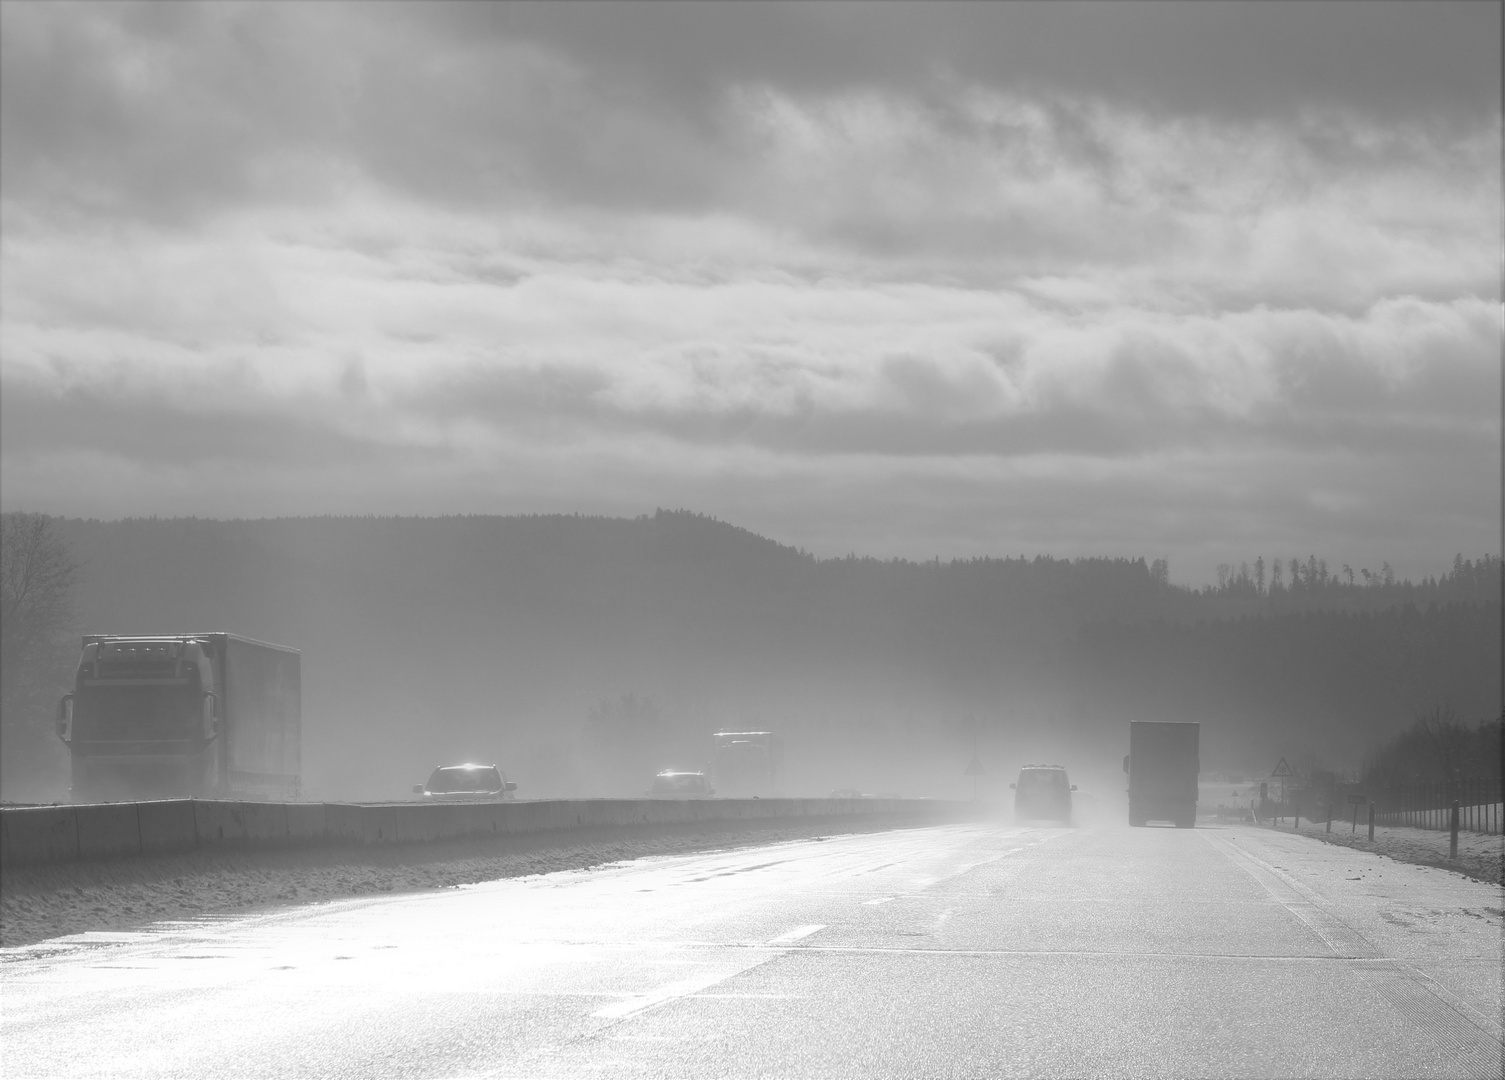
{"x": 557, "y": 640}
{"x": 1467, "y": 580}
{"x": 1439, "y": 745}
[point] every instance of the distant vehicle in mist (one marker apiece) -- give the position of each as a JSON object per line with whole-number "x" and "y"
{"x": 850, "y": 793}
{"x": 672, "y": 784}
{"x": 466, "y": 783}
{"x": 1043, "y": 793}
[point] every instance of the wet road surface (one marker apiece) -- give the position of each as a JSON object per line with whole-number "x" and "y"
{"x": 955, "y": 951}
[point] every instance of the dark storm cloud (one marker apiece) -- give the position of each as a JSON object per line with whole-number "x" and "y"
{"x": 948, "y": 275}
{"x": 154, "y": 433}
{"x": 1230, "y": 60}
{"x": 170, "y": 108}
{"x": 173, "y": 110}
{"x": 158, "y": 109}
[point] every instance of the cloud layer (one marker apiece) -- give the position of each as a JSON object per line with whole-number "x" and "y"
{"x": 914, "y": 280}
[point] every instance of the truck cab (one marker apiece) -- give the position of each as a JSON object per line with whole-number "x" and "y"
{"x": 182, "y": 716}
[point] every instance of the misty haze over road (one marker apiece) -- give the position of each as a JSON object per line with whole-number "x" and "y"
{"x": 582, "y": 655}
{"x": 986, "y": 951}
{"x": 905, "y": 393}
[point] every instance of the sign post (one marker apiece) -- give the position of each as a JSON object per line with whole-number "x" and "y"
{"x": 1358, "y": 801}
{"x": 1282, "y": 770}
{"x": 974, "y": 770}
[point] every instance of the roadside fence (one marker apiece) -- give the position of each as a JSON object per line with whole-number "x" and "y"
{"x": 1425, "y": 805}
{"x": 1429, "y": 805}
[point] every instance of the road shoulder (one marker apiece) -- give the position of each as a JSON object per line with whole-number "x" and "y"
{"x": 1481, "y": 856}
{"x": 52, "y": 900}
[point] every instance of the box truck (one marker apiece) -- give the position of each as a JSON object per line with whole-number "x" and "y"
{"x": 1162, "y": 765}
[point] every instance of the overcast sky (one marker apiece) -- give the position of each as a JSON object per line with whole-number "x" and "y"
{"x": 1194, "y": 281}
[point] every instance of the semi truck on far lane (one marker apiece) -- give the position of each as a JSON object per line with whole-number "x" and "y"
{"x": 747, "y": 763}
{"x": 183, "y": 715}
{"x": 1162, "y": 765}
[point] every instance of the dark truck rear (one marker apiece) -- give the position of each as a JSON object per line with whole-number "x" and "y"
{"x": 187, "y": 715}
{"x": 1162, "y": 765}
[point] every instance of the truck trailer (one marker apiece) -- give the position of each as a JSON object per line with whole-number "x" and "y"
{"x": 747, "y": 763}
{"x": 1162, "y": 765}
{"x": 206, "y": 715}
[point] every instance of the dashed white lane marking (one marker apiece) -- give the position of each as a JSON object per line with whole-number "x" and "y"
{"x": 879, "y": 900}
{"x": 667, "y": 992}
{"x": 796, "y": 934}
{"x": 696, "y": 983}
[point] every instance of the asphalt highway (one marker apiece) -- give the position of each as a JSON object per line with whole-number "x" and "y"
{"x": 956, "y": 951}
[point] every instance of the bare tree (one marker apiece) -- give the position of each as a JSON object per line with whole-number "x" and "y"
{"x": 625, "y": 738}
{"x": 1449, "y": 738}
{"x": 37, "y": 575}
{"x": 36, "y": 587}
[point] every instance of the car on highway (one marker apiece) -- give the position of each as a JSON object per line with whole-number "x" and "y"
{"x": 674, "y": 784}
{"x": 1043, "y": 793}
{"x": 466, "y": 783}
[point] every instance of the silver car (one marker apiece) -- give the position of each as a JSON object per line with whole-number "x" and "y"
{"x": 466, "y": 783}
{"x": 672, "y": 784}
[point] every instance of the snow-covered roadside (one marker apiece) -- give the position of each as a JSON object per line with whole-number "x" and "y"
{"x": 39, "y": 902}
{"x": 1480, "y": 855}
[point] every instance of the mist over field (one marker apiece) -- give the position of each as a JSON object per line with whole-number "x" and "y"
{"x": 582, "y": 654}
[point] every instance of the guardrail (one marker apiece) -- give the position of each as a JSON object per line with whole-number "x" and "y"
{"x": 71, "y": 833}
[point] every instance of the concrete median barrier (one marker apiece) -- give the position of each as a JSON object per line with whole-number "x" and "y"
{"x": 114, "y": 830}
{"x": 38, "y": 834}
{"x": 217, "y": 822}
{"x": 526, "y": 817}
{"x": 108, "y": 830}
{"x": 167, "y": 827}
{"x": 474, "y": 819}
{"x": 379, "y": 824}
{"x": 265, "y": 823}
{"x": 344, "y": 823}
{"x": 307, "y": 822}
{"x": 417, "y": 823}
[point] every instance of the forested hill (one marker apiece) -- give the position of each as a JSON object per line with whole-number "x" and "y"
{"x": 583, "y": 650}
